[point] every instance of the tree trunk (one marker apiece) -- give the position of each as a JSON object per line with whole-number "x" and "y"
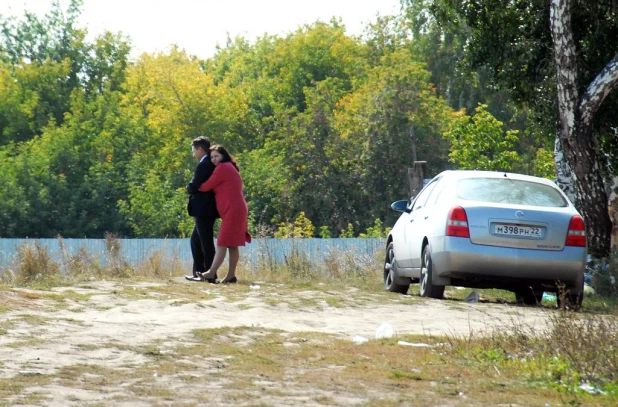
{"x": 590, "y": 195}
{"x": 575, "y": 133}
{"x": 613, "y": 214}
{"x": 564, "y": 175}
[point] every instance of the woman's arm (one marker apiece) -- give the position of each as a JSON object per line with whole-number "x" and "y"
{"x": 203, "y": 171}
{"x": 215, "y": 179}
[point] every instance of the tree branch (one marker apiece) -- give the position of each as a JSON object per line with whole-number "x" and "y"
{"x": 598, "y": 90}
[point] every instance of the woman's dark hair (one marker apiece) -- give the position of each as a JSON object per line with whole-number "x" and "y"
{"x": 227, "y": 157}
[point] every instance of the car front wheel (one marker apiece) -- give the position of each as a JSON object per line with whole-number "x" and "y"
{"x": 427, "y": 288}
{"x": 391, "y": 279}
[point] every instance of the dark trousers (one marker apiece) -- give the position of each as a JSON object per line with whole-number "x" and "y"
{"x": 202, "y": 244}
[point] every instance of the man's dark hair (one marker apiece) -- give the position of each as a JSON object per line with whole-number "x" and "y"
{"x": 202, "y": 142}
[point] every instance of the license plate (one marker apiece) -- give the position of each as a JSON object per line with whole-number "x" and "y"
{"x": 518, "y": 230}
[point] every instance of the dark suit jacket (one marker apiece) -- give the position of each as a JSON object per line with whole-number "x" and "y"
{"x": 201, "y": 203}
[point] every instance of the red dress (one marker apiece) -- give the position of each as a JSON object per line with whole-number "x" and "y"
{"x": 225, "y": 181}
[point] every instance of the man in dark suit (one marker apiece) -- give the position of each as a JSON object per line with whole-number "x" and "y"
{"x": 203, "y": 208}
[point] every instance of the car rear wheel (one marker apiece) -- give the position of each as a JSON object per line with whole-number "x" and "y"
{"x": 392, "y": 281}
{"x": 427, "y": 288}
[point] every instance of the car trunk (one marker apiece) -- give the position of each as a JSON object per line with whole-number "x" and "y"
{"x": 522, "y": 227}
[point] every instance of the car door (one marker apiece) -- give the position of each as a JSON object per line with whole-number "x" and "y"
{"x": 416, "y": 229}
{"x": 402, "y": 253}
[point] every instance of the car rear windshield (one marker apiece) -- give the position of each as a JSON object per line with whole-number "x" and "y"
{"x": 510, "y": 191}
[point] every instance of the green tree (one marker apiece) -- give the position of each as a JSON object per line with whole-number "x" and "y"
{"x": 543, "y": 164}
{"x": 320, "y": 185}
{"x": 170, "y": 101}
{"x": 266, "y": 181}
{"x": 14, "y": 206}
{"x": 72, "y": 175}
{"x": 43, "y": 61}
{"x": 480, "y": 143}
{"x": 292, "y": 86}
{"x": 391, "y": 120}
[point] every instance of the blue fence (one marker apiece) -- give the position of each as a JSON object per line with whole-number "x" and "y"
{"x": 136, "y": 251}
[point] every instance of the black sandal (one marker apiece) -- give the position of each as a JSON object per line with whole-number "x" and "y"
{"x": 208, "y": 280}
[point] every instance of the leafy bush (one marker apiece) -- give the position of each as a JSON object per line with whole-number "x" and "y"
{"x": 302, "y": 227}
{"x": 377, "y": 230}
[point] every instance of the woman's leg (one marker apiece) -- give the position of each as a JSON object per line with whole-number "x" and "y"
{"x": 216, "y": 262}
{"x": 234, "y": 255}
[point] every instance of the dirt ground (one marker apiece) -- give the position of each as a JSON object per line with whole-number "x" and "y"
{"x": 43, "y": 332}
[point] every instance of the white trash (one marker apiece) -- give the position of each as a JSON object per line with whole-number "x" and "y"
{"x": 359, "y": 339}
{"x": 590, "y": 389}
{"x": 384, "y": 331}
{"x": 416, "y": 345}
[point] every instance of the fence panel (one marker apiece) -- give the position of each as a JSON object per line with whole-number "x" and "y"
{"x": 135, "y": 251}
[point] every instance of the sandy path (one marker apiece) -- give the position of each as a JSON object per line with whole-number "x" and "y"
{"x": 69, "y": 335}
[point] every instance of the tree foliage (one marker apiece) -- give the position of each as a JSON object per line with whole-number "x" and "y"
{"x": 480, "y": 143}
{"x": 323, "y": 125}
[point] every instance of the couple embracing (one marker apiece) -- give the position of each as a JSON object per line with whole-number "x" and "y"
{"x": 216, "y": 191}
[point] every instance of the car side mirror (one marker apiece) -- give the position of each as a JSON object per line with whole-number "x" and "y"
{"x": 400, "y": 206}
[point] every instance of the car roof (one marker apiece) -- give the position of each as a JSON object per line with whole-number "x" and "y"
{"x": 461, "y": 174}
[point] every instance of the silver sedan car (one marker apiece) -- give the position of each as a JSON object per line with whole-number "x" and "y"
{"x": 485, "y": 229}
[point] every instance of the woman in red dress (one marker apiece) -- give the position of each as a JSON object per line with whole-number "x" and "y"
{"x": 225, "y": 181}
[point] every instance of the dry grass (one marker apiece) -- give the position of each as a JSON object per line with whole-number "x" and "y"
{"x": 35, "y": 267}
{"x": 514, "y": 365}
{"x": 253, "y": 366}
{"x": 574, "y": 352}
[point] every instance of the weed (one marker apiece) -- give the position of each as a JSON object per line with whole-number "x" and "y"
{"x": 588, "y": 343}
{"x": 344, "y": 264}
{"x": 117, "y": 266}
{"x": 158, "y": 266}
{"x": 341, "y": 268}
{"x": 298, "y": 265}
{"x": 78, "y": 265}
{"x": 35, "y": 263}
{"x": 572, "y": 350}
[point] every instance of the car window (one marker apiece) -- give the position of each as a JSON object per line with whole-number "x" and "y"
{"x": 511, "y": 191}
{"x": 438, "y": 193}
{"x": 420, "y": 200}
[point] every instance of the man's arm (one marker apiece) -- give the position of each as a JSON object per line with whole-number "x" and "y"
{"x": 203, "y": 171}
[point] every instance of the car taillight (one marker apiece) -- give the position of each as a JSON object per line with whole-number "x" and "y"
{"x": 457, "y": 223}
{"x": 576, "y": 236}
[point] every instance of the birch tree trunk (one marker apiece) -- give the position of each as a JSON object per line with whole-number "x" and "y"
{"x": 574, "y": 133}
{"x": 613, "y": 213}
